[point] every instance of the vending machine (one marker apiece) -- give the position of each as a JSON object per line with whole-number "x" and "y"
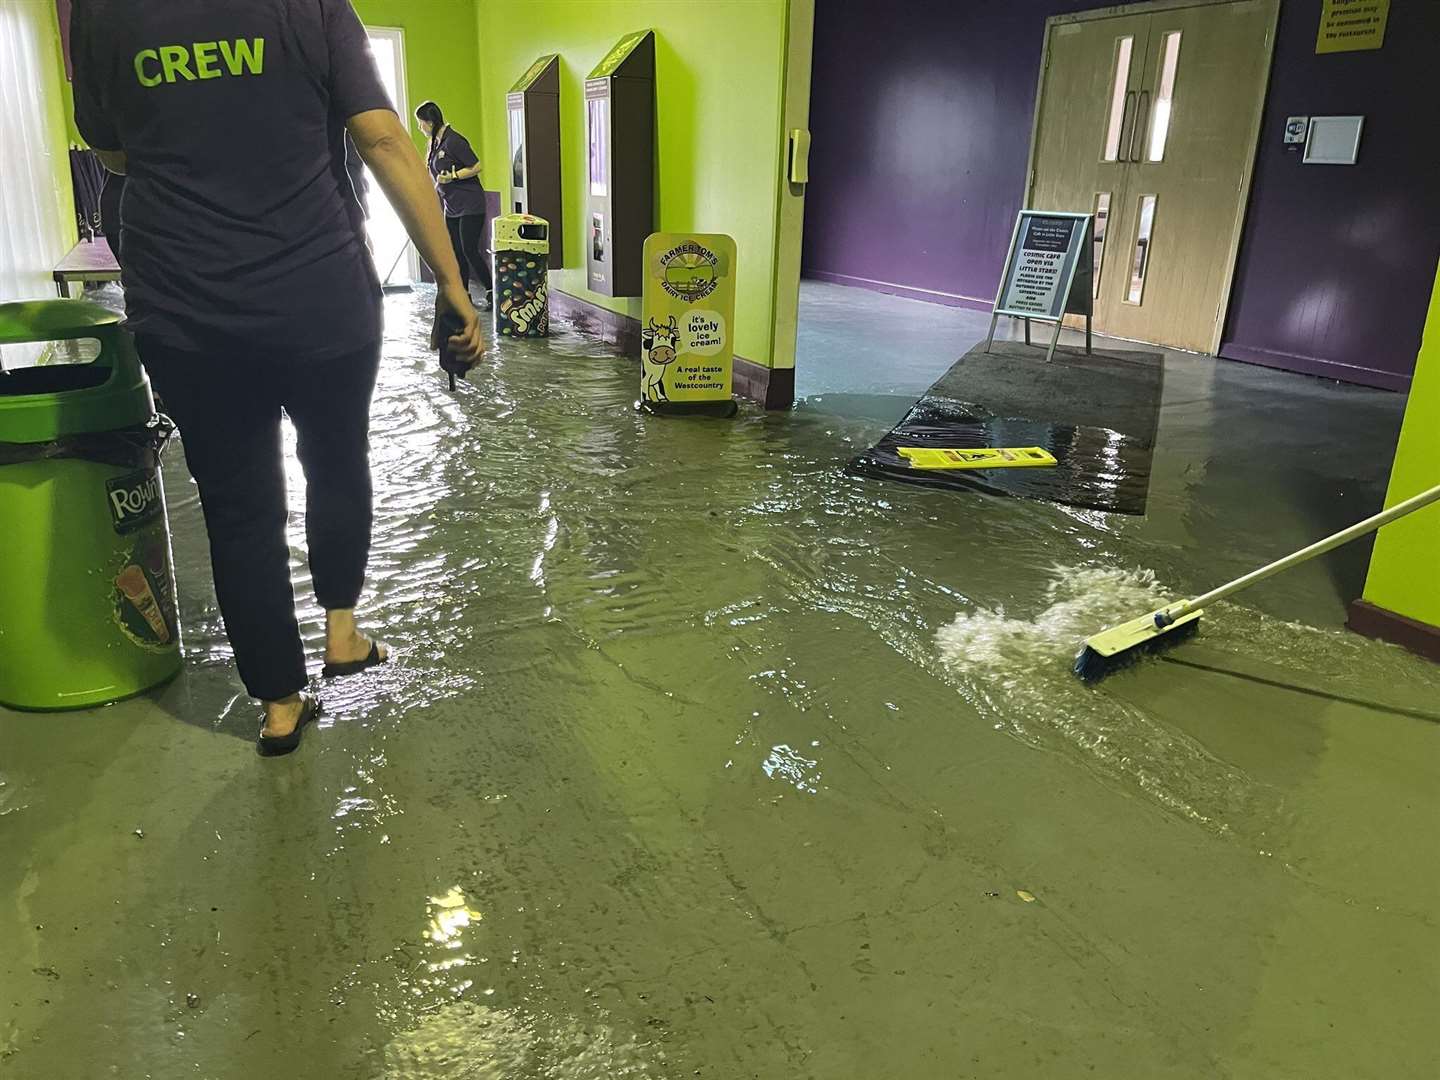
{"x": 620, "y": 126}
{"x": 533, "y": 113}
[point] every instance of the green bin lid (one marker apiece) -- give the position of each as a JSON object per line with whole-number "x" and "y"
{"x": 520, "y": 232}
{"x": 41, "y": 404}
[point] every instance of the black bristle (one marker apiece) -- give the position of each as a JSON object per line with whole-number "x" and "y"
{"x": 1092, "y": 667}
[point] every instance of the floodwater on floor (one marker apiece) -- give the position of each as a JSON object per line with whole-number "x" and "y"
{"x": 701, "y": 758}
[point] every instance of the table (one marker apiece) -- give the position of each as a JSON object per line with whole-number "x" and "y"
{"x": 89, "y": 260}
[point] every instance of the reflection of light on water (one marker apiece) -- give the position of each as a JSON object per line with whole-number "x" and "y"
{"x": 792, "y": 767}
{"x": 552, "y": 531}
{"x": 449, "y": 919}
{"x": 351, "y": 803}
{"x": 465, "y": 1041}
{"x": 449, "y": 916}
{"x": 454, "y": 1037}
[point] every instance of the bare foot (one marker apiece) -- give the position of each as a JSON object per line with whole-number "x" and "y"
{"x": 344, "y": 643}
{"x": 282, "y": 716}
{"x": 353, "y": 646}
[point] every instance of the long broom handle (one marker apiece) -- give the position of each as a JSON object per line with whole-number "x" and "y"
{"x": 1370, "y": 524}
{"x": 403, "y": 248}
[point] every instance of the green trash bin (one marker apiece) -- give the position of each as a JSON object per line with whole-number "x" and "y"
{"x": 520, "y": 252}
{"x": 87, "y": 593}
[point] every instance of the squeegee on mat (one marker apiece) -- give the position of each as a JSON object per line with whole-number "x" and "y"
{"x": 1120, "y": 645}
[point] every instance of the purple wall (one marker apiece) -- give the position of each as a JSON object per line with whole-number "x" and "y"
{"x": 1337, "y": 262}
{"x": 921, "y": 117}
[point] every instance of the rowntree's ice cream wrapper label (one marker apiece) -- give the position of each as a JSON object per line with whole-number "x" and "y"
{"x": 141, "y": 578}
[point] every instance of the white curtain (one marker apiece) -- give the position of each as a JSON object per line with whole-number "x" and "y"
{"x": 37, "y": 222}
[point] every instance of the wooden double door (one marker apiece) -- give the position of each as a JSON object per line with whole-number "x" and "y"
{"x": 1148, "y": 119}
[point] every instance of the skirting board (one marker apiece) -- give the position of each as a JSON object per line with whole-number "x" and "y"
{"x": 1310, "y": 365}
{"x": 771, "y": 388}
{"x": 1376, "y": 622}
{"x": 910, "y": 292}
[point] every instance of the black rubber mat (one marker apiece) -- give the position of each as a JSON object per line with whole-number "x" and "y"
{"x": 1096, "y": 414}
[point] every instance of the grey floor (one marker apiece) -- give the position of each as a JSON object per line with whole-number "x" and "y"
{"x": 700, "y": 757}
{"x": 855, "y": 341}
{"x": 1242, "y": 451}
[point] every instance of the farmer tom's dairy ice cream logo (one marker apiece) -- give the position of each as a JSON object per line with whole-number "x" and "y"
{"x": 135, "y": 500}
{"x": 689, "y": 271}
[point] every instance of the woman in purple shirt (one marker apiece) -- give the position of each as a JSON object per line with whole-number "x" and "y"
{"x": 456, "y": 172}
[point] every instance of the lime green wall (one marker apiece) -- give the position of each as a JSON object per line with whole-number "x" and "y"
{"x": 1405, "y": 568}
{"x": 61, "y": 127}
{"x": 719, "y": 74}
{"x": 441, "y": 58}
{"x": 67, "y": 102}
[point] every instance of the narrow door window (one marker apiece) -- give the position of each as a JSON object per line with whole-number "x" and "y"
{"x": 1140, "y": 260}
{"x": 1118, "y": 100}
{"x": 1164, "y": 95}
{"x": 1102, "y": 220}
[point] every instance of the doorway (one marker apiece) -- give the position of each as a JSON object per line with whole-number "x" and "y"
{"x": 395, "y": 259}
{"x": 1148, "y": 119}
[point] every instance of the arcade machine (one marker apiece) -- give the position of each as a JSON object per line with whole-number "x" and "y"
{"x": 533, "y": 112}
{"x": 620, "y": 126}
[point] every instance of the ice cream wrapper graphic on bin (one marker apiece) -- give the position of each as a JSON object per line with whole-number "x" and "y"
{"x": 520, "y": 248}
{"x": 144, "y": 582}
{"x": 687, "y": 346}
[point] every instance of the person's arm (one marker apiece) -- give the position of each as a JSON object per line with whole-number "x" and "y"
{"x": 384, "y": 146}
{"x": 460, "y": 174}
{"x": 356, "y": 92}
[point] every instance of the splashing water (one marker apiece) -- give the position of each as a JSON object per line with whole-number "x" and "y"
{"x": 1017, "y": 673}
{"x": 1081, "y": 601}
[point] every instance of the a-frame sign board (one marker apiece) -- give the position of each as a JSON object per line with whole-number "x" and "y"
{"x": 1049, "y": 273}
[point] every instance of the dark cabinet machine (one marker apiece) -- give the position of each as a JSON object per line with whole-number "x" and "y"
{"x": 620, "y": 127}
{"x": 533, "y": 114}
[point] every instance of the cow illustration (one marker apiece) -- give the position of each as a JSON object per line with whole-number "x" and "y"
{"x": 657, "y": 352}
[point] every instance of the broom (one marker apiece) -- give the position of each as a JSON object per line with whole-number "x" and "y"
{"x": 1122, "y": 645}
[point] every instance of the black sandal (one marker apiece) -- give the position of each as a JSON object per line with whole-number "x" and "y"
{"x": 279, "y": 745}
{"x": 354, "y": 667}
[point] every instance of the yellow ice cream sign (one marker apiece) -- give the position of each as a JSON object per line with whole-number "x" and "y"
{"x": 687, "y": 350}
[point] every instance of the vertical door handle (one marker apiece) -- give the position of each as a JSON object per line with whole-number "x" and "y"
{"x": 1122, "y": 151}
{"x": 1144, "y": 107}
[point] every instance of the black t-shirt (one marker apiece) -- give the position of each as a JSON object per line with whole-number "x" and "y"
{"x": 459, "y": 197}
{"x": 241, "y": 225}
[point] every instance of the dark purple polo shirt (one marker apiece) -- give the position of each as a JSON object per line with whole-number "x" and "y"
{"x": 459, "y": 197}
{"x": 241, "y": 227}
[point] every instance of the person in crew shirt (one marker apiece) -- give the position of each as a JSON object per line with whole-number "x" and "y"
{"x": 250, "y": 290}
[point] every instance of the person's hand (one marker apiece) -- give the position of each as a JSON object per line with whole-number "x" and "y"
{"x": 454, "y": 300}
{"x": 446, "y": 177}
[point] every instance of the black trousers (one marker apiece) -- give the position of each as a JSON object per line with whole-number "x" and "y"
{"x": 227, "y": 407}
{"x": 467, "y": 237}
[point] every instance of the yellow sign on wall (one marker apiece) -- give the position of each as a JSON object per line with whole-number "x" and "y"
{"x": 687, "y": 345}
{"x": 1352, "y": 25}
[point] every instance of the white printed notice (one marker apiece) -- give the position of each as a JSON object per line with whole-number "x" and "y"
{"x": 1043, "y": 257}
